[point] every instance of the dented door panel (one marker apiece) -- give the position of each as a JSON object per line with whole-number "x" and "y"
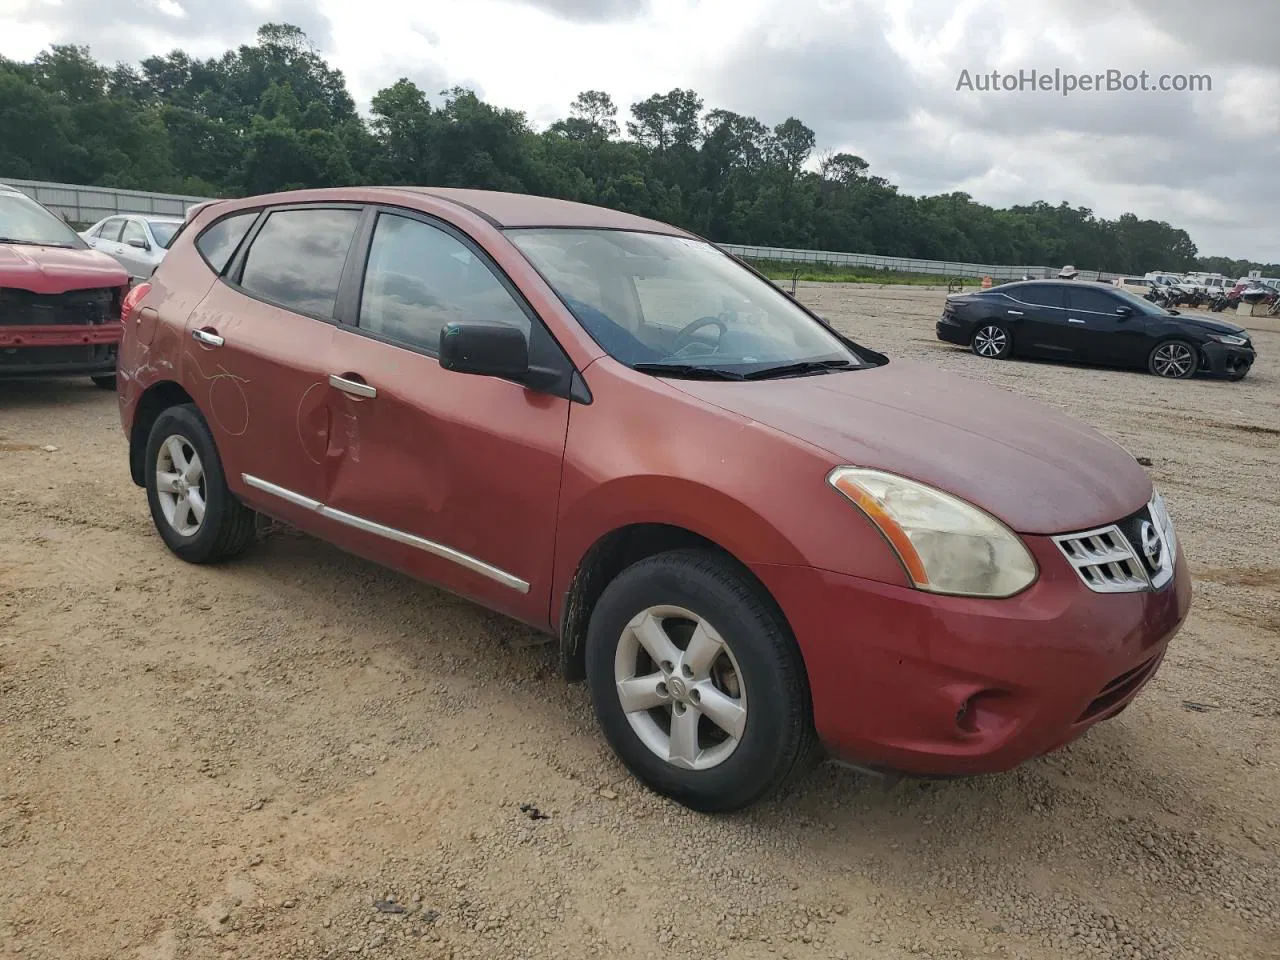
{"x": 423, "y": 472}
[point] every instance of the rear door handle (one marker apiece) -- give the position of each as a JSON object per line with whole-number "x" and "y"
{"x": 207, "y": 338}
{"x": 1014, "y": 313}
{"x": 354, "y": 387}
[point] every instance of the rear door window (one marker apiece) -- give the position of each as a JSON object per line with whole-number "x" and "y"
{"x": 133, "y": 231}
{"x": 218, "y": 243}
{"x": 1048, "y": 295}
{"x": 296, "y": 259}
{"x": 111, "y": 229}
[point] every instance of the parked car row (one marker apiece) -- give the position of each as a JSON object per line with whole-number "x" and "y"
{"x": 1207, "y": 285}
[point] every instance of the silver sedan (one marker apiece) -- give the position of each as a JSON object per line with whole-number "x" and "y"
{"x": 138, "y": 242}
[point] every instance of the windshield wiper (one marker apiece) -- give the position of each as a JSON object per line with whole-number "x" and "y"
{"x": 688, "y": 371}
{"x": 31, "y": 243}
{"x": 800, "y": 368}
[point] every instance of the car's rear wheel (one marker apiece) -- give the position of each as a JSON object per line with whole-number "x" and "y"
{"x": 197, "y": 516}
{"x": 106, "y": 381}
{"x": 1174, "y": 359}
{"x": 992, "y": 341}
{"x": 697, "y": 683}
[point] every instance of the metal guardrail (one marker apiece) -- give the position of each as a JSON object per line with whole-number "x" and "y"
{"x": 83, "y": 205}
{"x": 934, "y": 268}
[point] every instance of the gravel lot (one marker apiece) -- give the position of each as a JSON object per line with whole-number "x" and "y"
{"x": 301, "y": 755}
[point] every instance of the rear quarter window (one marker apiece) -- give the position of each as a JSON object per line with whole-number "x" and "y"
{"x": 218, "y": 243}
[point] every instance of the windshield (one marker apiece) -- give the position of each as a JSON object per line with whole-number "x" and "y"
{"x": 22, "y": 220}
{"x": 163, "y": 231}
{"x": 649, "y": 299}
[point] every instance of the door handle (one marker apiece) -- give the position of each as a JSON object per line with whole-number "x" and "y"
{"x": 353, "y": 387}
{"x": 1014, "y": 313}
{"x": 1074, "y": 320}
{"x": 207, "y": 338}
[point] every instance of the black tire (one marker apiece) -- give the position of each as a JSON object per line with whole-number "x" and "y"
{"x": 106, "y": 381}
{"x": 778, "y": 738}
{"x": 1174, "y": 360}
{"x": 228, "y": 526}
{"x": 992, "y": 340}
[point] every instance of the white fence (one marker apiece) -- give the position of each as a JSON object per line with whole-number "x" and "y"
{"x": 933, "y": 268}
{"x": 85, "y": 205}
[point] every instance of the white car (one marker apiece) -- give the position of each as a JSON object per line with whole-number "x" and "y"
{"x": 1217, "y": 284}
{"x": 138, "y": 242}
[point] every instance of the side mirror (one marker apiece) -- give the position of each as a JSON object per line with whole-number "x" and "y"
{"x": 1124, "y": 311}
{"x": 492, "y": 350}
{"x": 140, "y": 244}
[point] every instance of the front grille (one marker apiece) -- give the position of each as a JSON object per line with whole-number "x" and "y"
{"x": 22, "y": 308}
{"x": 1136, "y": 554}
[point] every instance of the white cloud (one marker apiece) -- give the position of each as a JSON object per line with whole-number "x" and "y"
{"x": 876, "y": 77}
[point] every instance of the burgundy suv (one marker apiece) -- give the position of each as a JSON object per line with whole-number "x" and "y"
{"x": 60, "y": 300}
{"x": 749, "y": 534}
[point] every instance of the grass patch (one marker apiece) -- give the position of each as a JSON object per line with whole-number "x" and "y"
{"x": 783, "y": 272}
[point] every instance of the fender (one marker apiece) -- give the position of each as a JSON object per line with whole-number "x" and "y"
{"x": 699, "y": 509}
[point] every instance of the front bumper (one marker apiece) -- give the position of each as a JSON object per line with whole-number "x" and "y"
{"x": 1225, "y": 360}
{"x": 916, "y": 683}
{"x": 59, "y": 348}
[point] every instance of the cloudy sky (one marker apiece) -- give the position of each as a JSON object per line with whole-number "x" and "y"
{"x": 875, "y": 77}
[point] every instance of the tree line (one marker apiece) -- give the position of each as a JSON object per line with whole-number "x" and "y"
{"x": 273, "y": 115}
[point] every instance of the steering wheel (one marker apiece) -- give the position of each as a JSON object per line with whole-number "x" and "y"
{"x": 685, "y": 337}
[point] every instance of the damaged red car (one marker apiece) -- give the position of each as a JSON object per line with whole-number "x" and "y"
{"x": 754, "y": 538}
{"x": 60, "y": 300}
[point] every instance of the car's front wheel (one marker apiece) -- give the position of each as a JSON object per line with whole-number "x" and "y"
{"x": 992, "y": 341}
{"x": 198, "y": 517}
{"x": 697, "y": 683}
{"x": 1174, "y": 359}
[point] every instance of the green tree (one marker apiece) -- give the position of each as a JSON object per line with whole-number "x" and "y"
{"x": 273, "y": 114}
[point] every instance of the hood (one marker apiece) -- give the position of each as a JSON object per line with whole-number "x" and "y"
{"x": 56, "y": 270}
{"x": 1040, "y": 471}
{"x": 1210, "y": 324}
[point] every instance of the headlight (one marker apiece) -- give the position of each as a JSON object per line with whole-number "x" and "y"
{"x": 1160, "y": 516}
{"x": 1229, "y": 339}
{"x": 945, "y": 544}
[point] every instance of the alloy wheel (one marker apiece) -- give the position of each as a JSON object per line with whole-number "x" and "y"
{"x": 1173, "y": 360}
{"x": 180, "y": 485}
{"x": 990, "y": 341}
{"x": 680, "y": 688}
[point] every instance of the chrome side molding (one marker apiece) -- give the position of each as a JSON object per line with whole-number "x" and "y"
{"x": 391, "y": 533}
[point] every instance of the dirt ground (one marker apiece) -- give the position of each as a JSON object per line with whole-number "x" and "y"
{"x": 302, "y": 755}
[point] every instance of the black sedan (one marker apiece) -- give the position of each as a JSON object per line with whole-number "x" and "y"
{"x": 1084, "y": 322}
